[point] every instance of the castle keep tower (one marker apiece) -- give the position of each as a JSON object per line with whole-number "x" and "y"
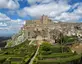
{"x": 45, "y": 19}
{"x": 35, "y": 28}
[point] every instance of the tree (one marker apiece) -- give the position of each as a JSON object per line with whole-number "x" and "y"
{"x": 46, "y": 46}
{"x": 61, "y": 40}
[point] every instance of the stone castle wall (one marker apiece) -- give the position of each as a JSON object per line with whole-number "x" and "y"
{"x": 45, "y": 26}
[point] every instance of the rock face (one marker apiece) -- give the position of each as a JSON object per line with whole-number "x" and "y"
{"x": 16, "y": 39}
{"x": 19, "y": 39}
{"x": 46, "y": 29}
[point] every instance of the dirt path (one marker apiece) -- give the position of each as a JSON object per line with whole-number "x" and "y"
{"x": 31, "y": 62}
{"x": 31, "y": 42}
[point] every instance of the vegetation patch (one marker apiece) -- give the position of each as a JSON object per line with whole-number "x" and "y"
{"x": 50, "y": 54}
{"x": 19, "y": 54}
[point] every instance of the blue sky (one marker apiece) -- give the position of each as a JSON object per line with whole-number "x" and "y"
{"x": 13, "y": 13}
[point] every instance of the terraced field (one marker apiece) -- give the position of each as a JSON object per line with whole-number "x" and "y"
{"x": 28, "y": 53}
{"x": 50, "y": 54}
{"x": 20, "y": 54}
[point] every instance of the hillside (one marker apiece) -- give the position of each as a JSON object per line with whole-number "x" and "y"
{"x": 3, "y": 41}
{"x": 47, "y": 41}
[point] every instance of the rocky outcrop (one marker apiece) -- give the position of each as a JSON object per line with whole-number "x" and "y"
{"x": 16, "y": 39}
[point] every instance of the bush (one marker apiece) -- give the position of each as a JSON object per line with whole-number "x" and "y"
{"x": 45, "y": 46}
{"x": 50, "y": 49}
{"x": 2, "y": 60}
{"x": 67, "y": 60}
{"x": 57, "y": 55}
{"x": 7, "y": 62}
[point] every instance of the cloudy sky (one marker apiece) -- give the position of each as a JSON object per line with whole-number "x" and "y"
{"x": 13, "y": 13}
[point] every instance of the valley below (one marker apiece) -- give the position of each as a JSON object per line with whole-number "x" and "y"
{"x": 3, "y": 41}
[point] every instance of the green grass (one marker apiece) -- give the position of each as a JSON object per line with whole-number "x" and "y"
{"x": 57, "y": 55}
{"x": 60, "y": 60}
{"x": 19, "y": 53}
{"x": 54, "y": 55}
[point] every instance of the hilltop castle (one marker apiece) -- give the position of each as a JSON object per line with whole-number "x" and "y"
{"x": 46, "y": 29}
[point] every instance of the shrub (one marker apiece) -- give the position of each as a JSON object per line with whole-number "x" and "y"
{"x": 67, "y": 60}
{"x": 57, "y": 55}
{"x": 2, "y": 60}
{"x": 45, "y": 46}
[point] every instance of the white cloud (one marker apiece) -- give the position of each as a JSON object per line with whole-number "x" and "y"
{"x": 32, "y": 2}
{"x": 55, "y": 9}
{"x": 3, "y": 24}
{"x": 79, "y": 9}
{"x": 66, "y": 16}
{"x": 75, "y": 5}
{"x": 18, "y": 22}
{"x": 8, "y": 24}
{"x": 6, "y": 28}
{"x": 51, "y": 9}
{"x": 10, "y": 4}
{"x": 71, "y": 16}
{"x": 3, "y": 17}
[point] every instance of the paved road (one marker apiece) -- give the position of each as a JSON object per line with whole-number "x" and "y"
{"x": 31, "y": 62}
{"x": 31, "y": 42}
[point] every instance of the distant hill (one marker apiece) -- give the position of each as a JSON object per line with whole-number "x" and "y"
{"x": 3, "y": 41}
